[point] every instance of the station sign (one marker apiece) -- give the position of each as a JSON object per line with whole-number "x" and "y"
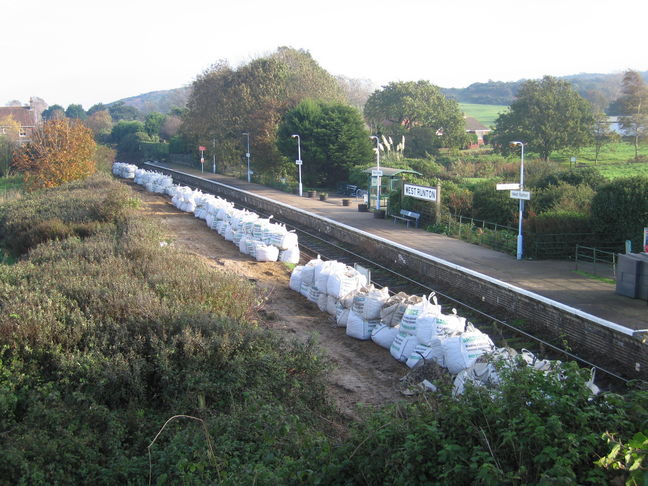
{"x": 508, "y": 186}
{"x": 420, "y": 192}
{"x": 526, "y": 195}
{"x": 376, "y": 173}
{"x": 298, "y": 162}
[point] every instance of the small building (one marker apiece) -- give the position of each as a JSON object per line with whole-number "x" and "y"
{"x": 389, "y": 181}
{"x": 475, "y": 126}
{"x": 26, "y": 116}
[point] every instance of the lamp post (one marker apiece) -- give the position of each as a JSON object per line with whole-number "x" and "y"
{"x": 214, "y": 156}
{"x": 374, "y": 137}
{"x": 298, "y": 161}
{"x": 247, "y": 154}
{"x": 519, "y": 238}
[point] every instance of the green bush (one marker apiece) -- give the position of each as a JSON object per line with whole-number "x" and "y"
{"x": 620, "y": 208}
{"x": 492, "y": 205}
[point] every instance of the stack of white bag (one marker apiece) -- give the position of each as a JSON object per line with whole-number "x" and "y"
{"x": 124, "y": 170}
{"x": 253, "y": 235}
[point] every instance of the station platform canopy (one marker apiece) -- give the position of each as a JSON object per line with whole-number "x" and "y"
{"x": 389, "y": 181}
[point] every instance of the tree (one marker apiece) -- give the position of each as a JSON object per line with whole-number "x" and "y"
{"x": 100, "y": 122}
{"x": 170, "y": 127}
{"x": 123, "y": 128}
{"x": 153, "y": 123}
{"x": 76, "y": 111}
{"x": 620, "y": 208}
{"x": 333, "y": 140}
{"x": 121, "y": 111}
{"x": 9, "y": 136}
{"x": 224, "y": 103}
{"x": 634, "y": 103}
{"x": 602, "y": 134}
{"x": 54, "y": 112}
{"x": 60, "y": 151}
{"x": 401, "y": 106}
{"x": 547, "y": 115}
{"x": 96, "y": 107}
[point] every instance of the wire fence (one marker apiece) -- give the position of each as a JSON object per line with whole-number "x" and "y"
{"x": 596, "y": 261}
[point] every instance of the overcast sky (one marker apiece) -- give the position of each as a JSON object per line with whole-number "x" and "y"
{"x": 87, "y": 51}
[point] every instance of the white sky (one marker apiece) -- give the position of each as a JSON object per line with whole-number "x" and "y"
{"x": 88, "y": 51}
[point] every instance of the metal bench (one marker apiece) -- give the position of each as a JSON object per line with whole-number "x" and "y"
{"x": 407, "y": 217}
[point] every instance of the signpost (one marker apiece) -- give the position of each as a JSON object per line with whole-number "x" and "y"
{"x": 507, "y": 186}
{"x": 202, "y": 157}
{"x": 526, "y": 195}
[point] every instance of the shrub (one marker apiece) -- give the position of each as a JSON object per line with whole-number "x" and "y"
{"x": 620, "y": 208}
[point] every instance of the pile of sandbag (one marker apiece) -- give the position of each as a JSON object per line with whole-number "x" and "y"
{"x": 255, "y": 236}
{"x": 124, "y": 170}
{"x": 413, "y": 328}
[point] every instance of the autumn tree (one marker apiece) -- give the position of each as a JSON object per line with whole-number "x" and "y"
{"x": 226, "y": 102}
{"x": 60, "y": 151}
{"x": 100, "y": 122}
{"x": 9, "y": 136}
{"x": 547, "y": 115}
{"x": 634, "y": 103}
{"x": 401, "y": 106}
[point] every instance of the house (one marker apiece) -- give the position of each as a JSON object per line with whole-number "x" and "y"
{"x": 475, "y": 126}
{"x": 27, "y": 116}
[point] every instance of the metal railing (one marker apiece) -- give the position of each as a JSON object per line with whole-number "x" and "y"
{"x": 595, "y": 261}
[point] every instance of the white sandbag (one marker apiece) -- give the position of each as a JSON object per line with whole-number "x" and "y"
{"x": 344, "y": 281}
{"x": 295, "y": 278}
{"x": 374, "y": 302}
{"x": 393, "y": 310}
{"x": 266, "y": 253}
{"x": 314, "y": 294}
{"x": 291, "y": 255}
{"x": 460, "y": 352}
{"x": 448, "y": 324}
{"x": 413, "y": 311}
{"x": 331, "y": 304}
{"x": 426, "y": 323}
{"x": 342, "y": 316}
{"x": 305, "y": 288}
{"x": 360, "y": 328}
{"x": 420, "y": 354}
{"x": 322, "y": 299}
{"x": 383, "y": 335}
{"x": 323, "y": 272}
{"x": 308, "y": 274}
{"x": 402, "y": 346}
{"x": 359, "y": 299}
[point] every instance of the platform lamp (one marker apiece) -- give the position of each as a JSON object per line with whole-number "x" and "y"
{"x": 520, "y": 237}
{"x": 298, "y": 161}
{"x": 247, "y": 154}
{"x": 374, "y": 137}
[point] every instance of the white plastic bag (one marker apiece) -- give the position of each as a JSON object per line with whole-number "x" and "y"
{"x": 460, "y": 352}
{"x": 295, "y": 278}
{"x": 383, "y": 335}
{"x": 374, "y": 302}
{"x": 402, "y": 346}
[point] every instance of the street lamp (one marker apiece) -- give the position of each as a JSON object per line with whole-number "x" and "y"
{"x": 519, "y": 238}
{"x": 377, "y": 169}
{"x": 298, "y": 161}
{"x": 247, "y": 154}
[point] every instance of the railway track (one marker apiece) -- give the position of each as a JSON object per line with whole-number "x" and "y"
{"x": 503, "y": 329}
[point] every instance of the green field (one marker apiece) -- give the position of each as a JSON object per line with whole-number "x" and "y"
{"x": 487, "y": 114}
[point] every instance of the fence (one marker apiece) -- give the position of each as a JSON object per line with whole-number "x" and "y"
{"x": 492, "y": 235}
{"x": 596, "y": 261}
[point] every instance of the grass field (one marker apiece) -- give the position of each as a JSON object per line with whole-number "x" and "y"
{"x": 487, "y": 114}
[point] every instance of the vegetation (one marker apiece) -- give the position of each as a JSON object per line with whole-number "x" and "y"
{"x": 60, "y": 151}
{"x": 486, "y": 114}
{"x": 634, "y": 103}
{"x": 333, "y": 140}
{"x": 547, "y": 115}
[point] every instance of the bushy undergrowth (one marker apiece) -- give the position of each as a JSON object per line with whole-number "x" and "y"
{"x": 103, "y": 338}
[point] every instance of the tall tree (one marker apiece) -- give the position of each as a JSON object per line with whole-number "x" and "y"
{"x": 547, "y": 115}
{"x": 60, "y": 151}
{"x": 634, "y": 103}
{"x": 9, "y": 136}
{"x": 76, "y": 111}
{"x": 333, "y": 140}
{"x": 122, "y": 111}
{"x": 100, "y": 122}
{"x": 401, "y": 106}
{"x": 53, "y": 112}
{"x": 602, "y": 133}
{"x": 153, "y": 123}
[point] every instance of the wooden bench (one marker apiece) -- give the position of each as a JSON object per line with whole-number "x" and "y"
{"x": 407, "y": 217}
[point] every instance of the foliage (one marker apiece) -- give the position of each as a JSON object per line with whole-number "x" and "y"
{"x": 628, "y": 457}
{"x": 563, "y": 197}
{"x": 333, "y": 139}
{"x": 100, "y": 122}
{"x": 59, "y": 151}
{"x": 547, "y": 115}
{"x": 76, "y": 111}
{"x": 8, "y": 143}
{"x": 105, "y": 156}
{"x": 122, "y": 111}
{"x": 620, "y": 208}
{"x": 225, "y": 103}
{"x": 401, "y": 106}
{"x": 634, "y": 103}
{"x": 103, "y": 338}
{"x": 492, "y": 205}
{"x": 153, "y": 124}
{"x": 123, "y": 128}
{"x": 559, "y": 220}
{"x": 586, "y": 175}
{"x": 535, "y": 429}
{"x": 53, "y": 112}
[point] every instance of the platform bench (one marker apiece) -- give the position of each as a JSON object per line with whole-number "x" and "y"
{"x": 407, "y": 217}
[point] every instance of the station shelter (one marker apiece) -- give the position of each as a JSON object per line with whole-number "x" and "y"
{"x": 390, "y": 181}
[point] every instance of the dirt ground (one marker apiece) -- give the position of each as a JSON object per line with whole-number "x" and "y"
{"x": 362, "y": 372}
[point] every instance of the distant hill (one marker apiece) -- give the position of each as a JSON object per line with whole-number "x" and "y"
{"x": 161, "y": 101}
{"x": 600, "y": 89}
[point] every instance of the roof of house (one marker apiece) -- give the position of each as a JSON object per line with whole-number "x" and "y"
{"x": 391, "y": 172}
{"x": 473, "y": 124}
{"x": 22, "y": 115}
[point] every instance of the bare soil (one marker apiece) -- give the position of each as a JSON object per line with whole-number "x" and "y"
{"x": 361, "y": 373}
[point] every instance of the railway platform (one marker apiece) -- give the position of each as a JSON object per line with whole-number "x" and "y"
{"x": 553, "y": 279}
